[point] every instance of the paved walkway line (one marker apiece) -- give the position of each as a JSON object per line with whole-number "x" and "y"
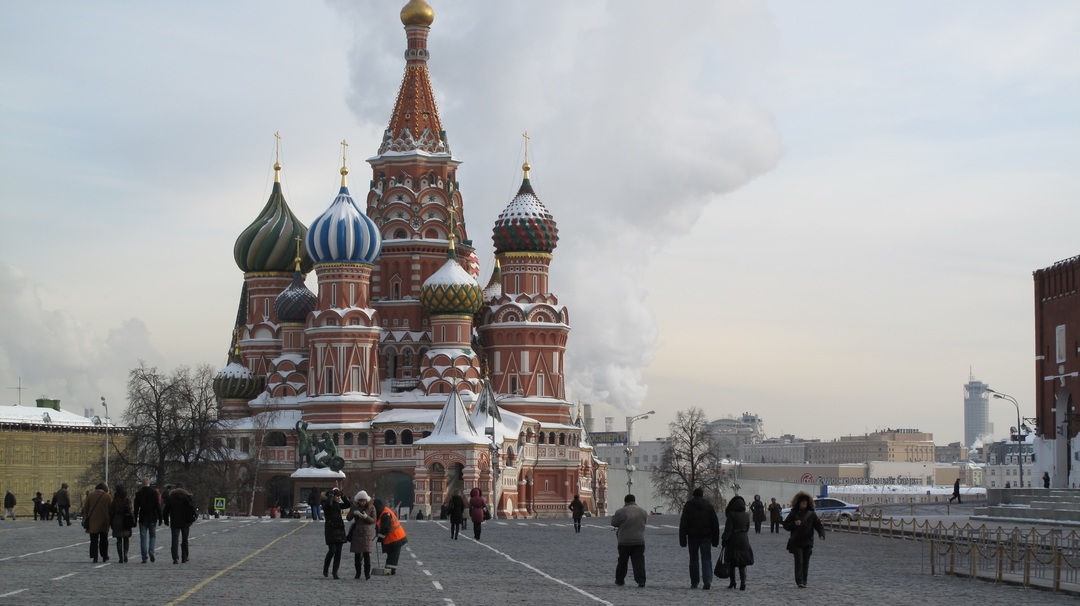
{"x": 26, "y": 555}
{"x": 190, "y": 592}
{"x": 11, "y": 593}
{"x": 544, "y": 574}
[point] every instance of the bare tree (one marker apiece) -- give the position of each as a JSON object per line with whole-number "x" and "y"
{"x": 689, "y": 461}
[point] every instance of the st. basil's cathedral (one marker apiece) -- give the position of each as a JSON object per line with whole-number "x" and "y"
{"x": 412, "y": 378}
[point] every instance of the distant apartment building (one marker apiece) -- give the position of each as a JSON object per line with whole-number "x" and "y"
{"x": 644, "y": 456}
{"x": 901, "y": 445}
{"x": 952, "y": 453}
{"x": 1002, "y": 465}
{"x": 977, "y": 425}
{"x": 785, "y": 450}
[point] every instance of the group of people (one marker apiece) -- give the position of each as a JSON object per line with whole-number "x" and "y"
{"x": 699, "y": 531}
{"x": 370, "y": 520}
{"x": 116, "y": 513}
{"x": 476, "y": 507}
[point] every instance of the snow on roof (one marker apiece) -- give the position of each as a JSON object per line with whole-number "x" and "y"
{"x": 407, "y": 416}
{"x": 274, "y": 419}
{"x": 37, "y": 416}
{"x": 453, "y": 425}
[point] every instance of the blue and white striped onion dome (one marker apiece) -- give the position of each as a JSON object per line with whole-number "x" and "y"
{"x": 343, "y": 234}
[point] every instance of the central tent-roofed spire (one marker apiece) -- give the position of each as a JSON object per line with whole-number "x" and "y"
{"x": 414, "y": 124}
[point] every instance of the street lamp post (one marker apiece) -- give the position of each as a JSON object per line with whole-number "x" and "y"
{"x": 1019, "y": 432}
{"x": 103, "y": 403}
{"x": 630, "y": 442}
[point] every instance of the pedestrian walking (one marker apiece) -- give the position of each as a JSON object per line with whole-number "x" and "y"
{"x": 149, "y": 517}
{"x": 802, "y": 522}
{"x": 334, "y": 529}
{"x": 956, "y": 492}
{"x": 9, "y": 504}
{"x": 362, "y": 533}
{"x": 62, "y": 502}
{"x": 776, "y": 516}
{"x": 314, "y": 503}
{"x": 1046, "y": 479}
{"x": 39, "y": 509}
{"x": 736, "y": 541}
{"x": 121, "y": 520}
{"x": 179, "y": 513}
{"x": 390, "y": 534}
{"x": 95, "y": 514}
{"x": 757, "y": 511}
{"x": 476, "y": 511}
{"x": 629, "y": 523}
{"x": 456, "y": 510}
{"x": 577, "y": 509}
{"x": 699, "y": 530}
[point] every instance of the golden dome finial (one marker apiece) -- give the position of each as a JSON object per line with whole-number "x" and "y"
{"x": 277, "y": 157}
{"x": 344, "y": 160}
{"x": 453, "y": 226}
{"x": 417, "y": 12}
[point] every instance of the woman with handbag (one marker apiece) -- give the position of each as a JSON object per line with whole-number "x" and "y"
{"x": 122, "y": 521}
{"x": 361, "y": 534}
{"x": 736, "y": 541}
{"x": 95, "y": 520}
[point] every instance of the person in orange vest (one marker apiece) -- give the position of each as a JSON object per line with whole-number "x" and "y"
{"x": 390, "y": 534}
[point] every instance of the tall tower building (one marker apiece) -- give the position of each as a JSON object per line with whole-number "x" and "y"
{"x": 977, "y": 423}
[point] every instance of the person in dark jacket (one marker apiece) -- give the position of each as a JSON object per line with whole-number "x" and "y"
{"x": 629, "y": 523}
{"x": 757, "y": 512}
{"x": 334, "y": 529}
{"x": 699, "y": 529}
{"x": 121, "y": 520}
{"x": 456, "y": 511}
{"x": 476, "y": 511}
{"x": 180, "y": 513}
{"x": 149, "y": 517}
{"x": 956, "y": 492}
{"x": 362, "y": 515}
{"x": 9, "y": 504}
{"x": 577, "y": 509}
{"x": 736, "y": 540}
{"x": 39, "y": 510}
{"x": 776, "y": 516}
{"x": 313, "y": 502}
{"x": 803, "y": 523}
{"x": 390, "y": 533}
{"x": 95, "y": 513}
{"x": 62, "y": 502}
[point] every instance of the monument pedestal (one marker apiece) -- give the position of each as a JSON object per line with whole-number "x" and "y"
{"x": 308, "y": 479}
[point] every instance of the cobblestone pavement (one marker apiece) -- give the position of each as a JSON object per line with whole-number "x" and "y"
{"x": 273, "y": 561}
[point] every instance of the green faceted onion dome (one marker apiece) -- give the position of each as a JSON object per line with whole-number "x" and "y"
{"x": 451, "y": 290}
{"x": 268, "y": 244}
{"x": 235, "y": 381}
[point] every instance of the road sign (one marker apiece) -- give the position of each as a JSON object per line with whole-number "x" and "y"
{"x": 219, "y": 503}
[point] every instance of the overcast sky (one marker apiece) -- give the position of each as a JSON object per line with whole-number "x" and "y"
{"x": 825, "y": 213}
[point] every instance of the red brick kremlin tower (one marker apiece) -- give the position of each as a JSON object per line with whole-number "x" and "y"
{"x": 387, "y": 359}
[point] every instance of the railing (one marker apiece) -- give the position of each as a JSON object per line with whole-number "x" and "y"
{"x": 1010, "y": 556}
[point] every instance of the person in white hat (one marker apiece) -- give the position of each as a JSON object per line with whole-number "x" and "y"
{"x": 362, "y": 532}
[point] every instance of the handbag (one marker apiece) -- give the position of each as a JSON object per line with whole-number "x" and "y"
{"x": 722, "y": 571}
{"x": 352, "y": 530}
{"x": 487, "y": 513}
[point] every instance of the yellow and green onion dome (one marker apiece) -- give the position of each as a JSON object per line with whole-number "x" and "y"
{"x": 237, "y": 382}
{"x": 267, "y": 244}
{"x": 451, "y": 290}
{"x": 525, "y": 225}
{"x": 417, "y": 12}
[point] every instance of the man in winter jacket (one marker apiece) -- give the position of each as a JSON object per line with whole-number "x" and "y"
{"x": 9, "y": 505}
{"x": 630, "y": 529}
{"x": 61, "y": 500}
{"x": 148, "y": 514}
{"x": 180, "y": 513}
{"x": 699, "y": 529}
{"x": 95, "y": 513}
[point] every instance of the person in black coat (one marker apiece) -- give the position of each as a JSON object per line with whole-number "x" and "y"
{"x": 699, "y": 530}
{"x": 803, "y": 523}
{"x": 456, "y": 510}
{"x": 757, "y": 512}
{"x": 148, "y": 515}
{"x": 577, "y": 510}
{"x": 180, "y": 513}
{"x": 334, "y": 529}
{"x": 736, "y": 540}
